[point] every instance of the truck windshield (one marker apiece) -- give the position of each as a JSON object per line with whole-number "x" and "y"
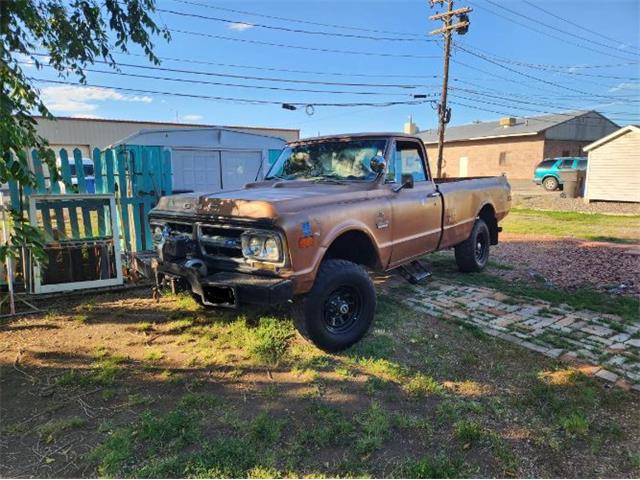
{"x": 338, "y": 160}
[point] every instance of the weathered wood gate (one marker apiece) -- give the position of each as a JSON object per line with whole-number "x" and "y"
{"x": 136, "y": 175}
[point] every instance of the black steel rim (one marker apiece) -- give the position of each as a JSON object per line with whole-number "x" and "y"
{"x": 481, "y": 247}
{"x": 342, "y": 309}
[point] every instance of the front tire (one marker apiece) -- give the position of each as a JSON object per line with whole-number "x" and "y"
{"x": 339, "y": 309}
{"x": 472, "y": 254}
{"x": 550, "y": 184}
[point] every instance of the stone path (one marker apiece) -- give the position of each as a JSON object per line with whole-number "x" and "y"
{"x": 604, "y": 345}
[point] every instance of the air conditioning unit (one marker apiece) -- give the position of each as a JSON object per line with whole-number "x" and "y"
{"x": 507, "y": 121}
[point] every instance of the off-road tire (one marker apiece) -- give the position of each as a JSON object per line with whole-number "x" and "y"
{"x": 550, "y": 184}
{"x": 312, "y": 312}
{"x": 472, "y": 255}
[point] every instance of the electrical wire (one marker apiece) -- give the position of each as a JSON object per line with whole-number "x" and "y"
{"x": 532, "y": 77}
{"x": 580, "y": 37}
{"x": 238, "y": 85}
{"x": 263, "y": 79}
{"x": 292, "y": 30}
{"x": 300, "y": 47}
{"x": 233, "y": 99}
{"x": 582, "y": 27}
{"x": 542, "y": 32}
{"x": 294, "y": 20}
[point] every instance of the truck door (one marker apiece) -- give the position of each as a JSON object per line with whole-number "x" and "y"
{"x": 416, "y": 211}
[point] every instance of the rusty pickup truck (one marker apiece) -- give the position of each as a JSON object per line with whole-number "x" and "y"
{"x": 329, "y": 209}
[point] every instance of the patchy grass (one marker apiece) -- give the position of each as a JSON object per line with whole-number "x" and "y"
{"x": 418, "y": 397}
{"x": 50, "y": 430}
{"x": 421, "y": 385}
{"x": 589, "y": 226}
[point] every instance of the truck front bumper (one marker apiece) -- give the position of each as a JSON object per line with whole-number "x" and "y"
{"x": 230, "y": 289}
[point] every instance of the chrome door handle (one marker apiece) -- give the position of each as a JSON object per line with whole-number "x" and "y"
{"x": 433, "y": 194}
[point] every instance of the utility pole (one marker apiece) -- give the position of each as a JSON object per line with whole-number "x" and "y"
{"x": 461, "y": 26}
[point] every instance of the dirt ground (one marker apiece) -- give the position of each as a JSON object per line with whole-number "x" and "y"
{"x": 118, "y": 385}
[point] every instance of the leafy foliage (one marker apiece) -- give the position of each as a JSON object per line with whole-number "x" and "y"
{"x": 68, "y": 35}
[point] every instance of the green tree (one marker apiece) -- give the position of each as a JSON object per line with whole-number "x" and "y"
{"x": 69, "y": 35}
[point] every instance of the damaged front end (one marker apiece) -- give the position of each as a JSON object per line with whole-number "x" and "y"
{"x": 222, "y": 265}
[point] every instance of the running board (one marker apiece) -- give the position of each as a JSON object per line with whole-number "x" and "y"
{"x": 415, "y": 272}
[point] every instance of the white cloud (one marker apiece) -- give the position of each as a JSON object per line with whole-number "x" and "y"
{"x": 85, "y": 115}
{"x": 625, "y": 86}
{"x": 240, "y": 26}
{"x": 79, "y": 99}
{"x": 192, "y": 118}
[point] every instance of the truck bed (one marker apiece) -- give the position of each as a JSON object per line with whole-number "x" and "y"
{"x": 464, "y": 197}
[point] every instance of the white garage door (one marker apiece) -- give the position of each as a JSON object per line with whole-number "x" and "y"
{"x": 195, "y": 170}
{"x": 239, "y": 168}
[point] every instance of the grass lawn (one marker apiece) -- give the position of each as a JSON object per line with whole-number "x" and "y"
{"x": 143, "y": 389}
{"x": 589, "y": 226}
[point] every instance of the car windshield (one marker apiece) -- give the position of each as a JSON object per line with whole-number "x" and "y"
{"x": 547, "y": 163}
{"x": 332, "y": 160}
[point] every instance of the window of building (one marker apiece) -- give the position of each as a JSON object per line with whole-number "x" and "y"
{"x": 503, "y": 159}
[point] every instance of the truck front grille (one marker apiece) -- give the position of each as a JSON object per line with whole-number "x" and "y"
{"x": 220, "y": 241}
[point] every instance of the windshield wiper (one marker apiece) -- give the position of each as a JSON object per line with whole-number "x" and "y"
{"x": 327, "y": 179}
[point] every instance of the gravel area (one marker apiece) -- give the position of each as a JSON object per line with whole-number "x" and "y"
{"x": 554, "y": 201}
{"x": 570, "y": 263}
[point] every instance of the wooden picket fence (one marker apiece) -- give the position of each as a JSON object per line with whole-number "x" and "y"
{"x": 136, "y": 175}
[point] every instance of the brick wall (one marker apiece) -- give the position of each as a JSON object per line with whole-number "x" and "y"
{"x": 564, "y": 148}
{"x": 519, "y": 156}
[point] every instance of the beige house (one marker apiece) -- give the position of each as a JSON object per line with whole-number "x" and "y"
{"x": 514, "y": 146}
{"x": 613, "y": 171}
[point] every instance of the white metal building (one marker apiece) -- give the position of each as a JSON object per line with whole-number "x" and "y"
{"x": 613, "y": 170}
{"x": 89, "y": 133}
{"x": 211, "y": 159}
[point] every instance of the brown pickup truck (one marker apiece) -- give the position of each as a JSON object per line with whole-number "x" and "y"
{"x": 329, "y": 209}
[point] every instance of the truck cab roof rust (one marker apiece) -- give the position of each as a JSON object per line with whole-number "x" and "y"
{"x": 326, "y": 200}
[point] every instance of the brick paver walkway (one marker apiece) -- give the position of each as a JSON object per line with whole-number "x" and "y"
{"x": 604, "y": 345}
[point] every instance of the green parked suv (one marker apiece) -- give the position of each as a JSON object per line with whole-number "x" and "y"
{"x": 547, "y": 172}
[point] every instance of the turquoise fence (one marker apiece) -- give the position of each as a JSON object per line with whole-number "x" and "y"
{"x": 137, "y": 176}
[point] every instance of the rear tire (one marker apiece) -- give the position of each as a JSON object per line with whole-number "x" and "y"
{"x": 472, "y": 254}
{"x": 550, "y": 184}
{"x": 339, "y": 309}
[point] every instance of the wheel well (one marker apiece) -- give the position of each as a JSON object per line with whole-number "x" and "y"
{"x": 550, "y": 176}
{"x": 354, "y": 246}
{"x": 488, "y": 214}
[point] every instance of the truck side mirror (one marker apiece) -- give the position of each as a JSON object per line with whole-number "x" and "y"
{"x": 376, "y": 164}
{"x": 407, "y": 182}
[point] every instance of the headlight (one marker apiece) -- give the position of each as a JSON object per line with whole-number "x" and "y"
{"x": 262, "y": 246}
{"x": 157, "y": 231}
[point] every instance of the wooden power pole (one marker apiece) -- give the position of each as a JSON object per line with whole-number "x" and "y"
{"x": 461, "y": 26}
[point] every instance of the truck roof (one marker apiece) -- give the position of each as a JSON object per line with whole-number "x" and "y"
{"x": 346, "y": 136}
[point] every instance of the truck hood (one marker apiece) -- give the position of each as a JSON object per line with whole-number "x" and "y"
{"x": 266, "y": 200}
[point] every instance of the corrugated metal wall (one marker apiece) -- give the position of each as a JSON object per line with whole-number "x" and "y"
{"x": 97, "y": 133}
{"x": 613, "y": 172}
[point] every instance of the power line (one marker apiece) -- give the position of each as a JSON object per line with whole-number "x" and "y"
{"x": 580, "y": 37}
{"x": 294, "y": 20}
{"x": 553, "y": 68}
{"x": 234, "y": 99}
{"x": 532, "y": 77}
{"x": 292, "y": 30}
{"x": 542, "y": 32}
{"x": 263, "y": 79}
{"x": 300, "y": 47}
{"x": 238, "y": 85}
{"x": 566, "y": 20}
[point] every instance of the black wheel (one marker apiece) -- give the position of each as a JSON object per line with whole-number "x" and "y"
{"x": 550, "y": 184}
{"x": 339, "y": 309}
{"x": 472, "y": 254}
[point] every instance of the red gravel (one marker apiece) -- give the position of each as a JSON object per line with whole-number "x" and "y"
{"x": 570, "y": 263}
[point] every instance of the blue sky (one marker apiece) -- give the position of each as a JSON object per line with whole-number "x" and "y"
{"x": 530, "y": 63}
